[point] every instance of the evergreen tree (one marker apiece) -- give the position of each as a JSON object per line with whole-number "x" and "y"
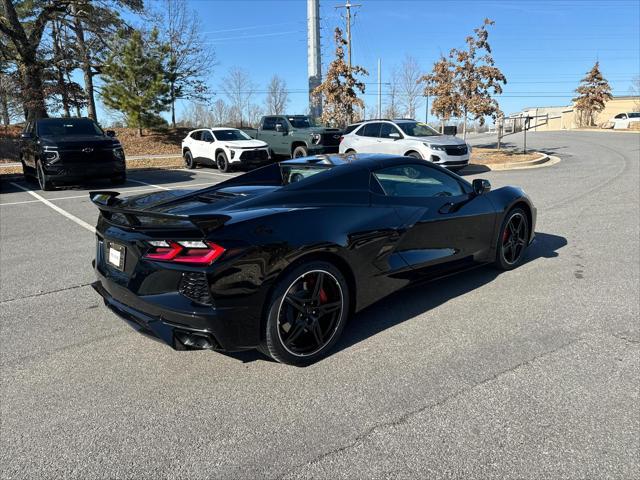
{"x": 340, "y": 99}
{"x": 135, "y": 79}
{"x": 593, "y": 93}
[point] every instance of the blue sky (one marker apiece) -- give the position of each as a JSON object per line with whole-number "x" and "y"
{"x": 543, "y": 47}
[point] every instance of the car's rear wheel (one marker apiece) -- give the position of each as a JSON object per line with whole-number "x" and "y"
{"x": 188, "y": 160}
{"x": 43, "y": 179}
{"x": 513, "y": 240}
{"x": 414, "y": 155}
{"x": 222, "y": 162}
{"x": 306, "y": 314}
{"x": 299, "y": 152}
{"x": 351, "y": 151}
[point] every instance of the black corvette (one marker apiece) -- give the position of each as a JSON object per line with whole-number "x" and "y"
{"x": 278, "y": 258}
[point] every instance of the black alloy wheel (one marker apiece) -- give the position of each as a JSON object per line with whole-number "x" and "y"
{"x": 43, "y": 179}
{"x": 513, "y": 240}
{"x": 188, "y": 160}
{"x": 222, "y": 162}
{"x": 308, "y": 312}
{"x": 299, "y": 152}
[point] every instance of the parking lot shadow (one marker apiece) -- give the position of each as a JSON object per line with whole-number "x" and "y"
{"x": 415, "y": 299}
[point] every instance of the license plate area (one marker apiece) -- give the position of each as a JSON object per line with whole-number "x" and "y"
{"x": 115, "y": 255}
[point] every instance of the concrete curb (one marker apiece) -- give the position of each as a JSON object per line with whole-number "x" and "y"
{"x": 133, "y": 157}
{"x": 543, "y": 161}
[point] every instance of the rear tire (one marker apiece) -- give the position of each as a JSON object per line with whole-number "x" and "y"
{"x": 43, "y": 179}
{"x": 189, "y": 162}
{"x": 306, "y": 314}
{"x": 222, "y": 162}
{"x": 299, "y": 152}
{"x": 513, "y": 240}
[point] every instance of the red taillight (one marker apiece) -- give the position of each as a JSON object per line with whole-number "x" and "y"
{"x": 191, "y": 252}
{"x": 341, "y": 138}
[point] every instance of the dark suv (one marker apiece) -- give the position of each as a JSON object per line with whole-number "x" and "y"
{"x": 70, "y": 150}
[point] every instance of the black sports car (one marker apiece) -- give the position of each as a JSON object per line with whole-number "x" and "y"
{"x": 278, "y": 258}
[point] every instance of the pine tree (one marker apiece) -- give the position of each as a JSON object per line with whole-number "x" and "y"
{"x": 340, "y": 99}
{"x": 593, "y": 93}
{"x": 135, "y": 79}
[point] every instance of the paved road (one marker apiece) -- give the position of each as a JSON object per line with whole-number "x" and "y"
{"x": 527, "y": 374}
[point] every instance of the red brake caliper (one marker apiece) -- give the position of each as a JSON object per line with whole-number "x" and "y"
{"x": 323, "y": 296}
{"x": 505, "y": 235}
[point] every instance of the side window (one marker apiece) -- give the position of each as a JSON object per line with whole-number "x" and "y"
{"x": 196, "y": 135}
{"x": 387, "y": 129}
{"x": 206, "y": 136}
{"x": 620, "y": 115}
{"x": 350, "y": 128}
{"x": 417, "y": 181}
{"x": 369, "y": 130}
{"x": 269, "y": 123}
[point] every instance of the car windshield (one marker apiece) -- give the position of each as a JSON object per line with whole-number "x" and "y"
{"x": 231, "y": 135}
{"x": 634, "y": 115}
{"x": 58, "y": 127}
{"x": 301, "y": 122}
{"x": 417, "y": 129}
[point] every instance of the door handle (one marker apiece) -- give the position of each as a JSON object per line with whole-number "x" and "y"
{"x": 447, "y": 208}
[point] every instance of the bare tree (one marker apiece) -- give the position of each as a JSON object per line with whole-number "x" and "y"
{"x": 409, "y": 86}
{"x": 239, "y": 90}
{"x": 197, "y": 115}
{"x": 10, "y": 107}
{"x": 254, "y": 114}
{"x": 392, "y": 104}
{"x": 220, "y": 113}
{"x": 191, "y": 60}
{"x": 277, "y": 96}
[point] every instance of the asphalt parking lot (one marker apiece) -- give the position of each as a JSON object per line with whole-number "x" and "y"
{"x": 527, "y": 374}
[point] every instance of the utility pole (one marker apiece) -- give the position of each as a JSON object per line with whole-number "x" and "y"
{"x": 347, "y": 6}
{"x": 314, "y": 61}
{"x": 379, "y": 89}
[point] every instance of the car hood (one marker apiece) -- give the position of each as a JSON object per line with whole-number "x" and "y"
{"x": 80, "y": 141}
{"x": 440, "y": 140}
{"x": 245, "y": 144}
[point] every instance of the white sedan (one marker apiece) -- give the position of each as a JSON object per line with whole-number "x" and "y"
{"x": 225, "y": 148}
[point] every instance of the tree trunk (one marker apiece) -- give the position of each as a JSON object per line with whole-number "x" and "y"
{"x": 62, "y": 88}
{"x": 464, "y": 126}
{"x": 85, "y": 65}
{"x": 33, "y": 93}
{"x": 173, "y": 106}
{"x": 4, "y": 108}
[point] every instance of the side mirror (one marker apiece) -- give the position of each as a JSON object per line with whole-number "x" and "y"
{"x": 450, "y": 130}
{"x": 394, "y": 135}
{"x": 280, "y": 128}
{"x": 480, "y": 186}
{"x": 26, "y": 136}
{"x": 110, "y": 133}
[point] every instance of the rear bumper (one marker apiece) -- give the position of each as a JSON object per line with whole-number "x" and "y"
{"x": 175, "y": 320}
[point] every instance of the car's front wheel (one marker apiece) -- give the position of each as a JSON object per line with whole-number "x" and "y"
{"x": 222, "y": 162}
{"x": 188, "y": 160}
{"x": 299, "y": 152}
{"x": 414, "y": 155}
{"x": 26, "y": 171}
{"x": 306, "y": 314}
{"x": 43, "y": 179}
{"x": 513, "y": 240}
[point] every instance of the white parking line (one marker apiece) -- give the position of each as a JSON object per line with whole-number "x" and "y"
{"x": 148, "y": 184}
{"x": 133, "y": 190}
{"x": 62, "y": 212}
{"x": 225, "y": 175}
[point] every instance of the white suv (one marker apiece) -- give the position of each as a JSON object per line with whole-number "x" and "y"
{"x": 224, "y": 148}
{"x": 407, "y": 138}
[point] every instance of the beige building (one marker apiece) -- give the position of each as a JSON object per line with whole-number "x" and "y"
{"x": 564, "y": 117}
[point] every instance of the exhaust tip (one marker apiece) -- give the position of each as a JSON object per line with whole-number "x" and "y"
{"x": 195, "y": 341}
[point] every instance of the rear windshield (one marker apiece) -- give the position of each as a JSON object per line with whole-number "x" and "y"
{"x": 295, "y": 173}
{"x": 634, "y": 115}
{"x": 58, "y": 127}
{"x": 230, "y": 135}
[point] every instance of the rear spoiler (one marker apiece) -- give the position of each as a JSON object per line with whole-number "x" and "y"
{"x": 108, "y": 204}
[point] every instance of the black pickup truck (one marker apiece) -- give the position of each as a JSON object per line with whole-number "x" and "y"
{"x": 295, "y": 136}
